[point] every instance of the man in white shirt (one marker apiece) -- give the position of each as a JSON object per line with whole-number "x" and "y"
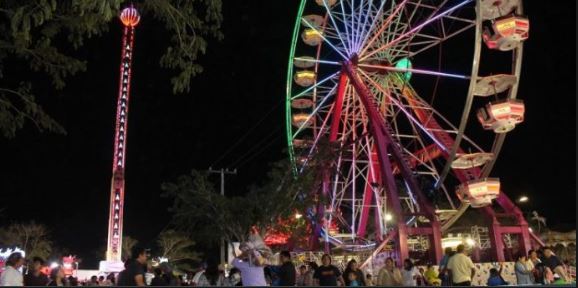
{"x": 252, "y": 272}
{"x": 11, "y": 276}
{"x": 461, "y": 268}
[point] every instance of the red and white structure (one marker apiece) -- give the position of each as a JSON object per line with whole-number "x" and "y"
{"x": 129, "y": 18}
{"x": 405, "y": 168}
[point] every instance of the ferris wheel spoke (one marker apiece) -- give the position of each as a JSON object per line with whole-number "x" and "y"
{"x": 382, "y": 28}
{"x": 339, "y": 51}
{"x": 413, "y": 70}
{"x": 446, "y": 33}
{"x": 424, "y": 106}
{"x": 377, "y": 15}
{"x": 344, "y": 21}
{"x": 332, "y": 18}
{"x": 313, "y": 114}
{"x": 404, "y": 110}
{"x": 316, "y": 85}
{"x": 415, "y": 29}
{"x": 317, "y": 61}
{"x": 364, "y": 12}
{"x": 367, "y": 14}
{"x": 401, "y": 47}
{"x": 445, "y": 38}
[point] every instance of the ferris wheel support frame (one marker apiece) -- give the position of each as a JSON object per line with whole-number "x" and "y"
{"x": 385, "y": 144}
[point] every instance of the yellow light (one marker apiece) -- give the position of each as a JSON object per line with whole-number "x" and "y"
{"x": 298, "y": 215}
{"x": 305, "y": 74}
{"x": 312, "y": 33}
{"x": 470, "y": 242}
{"x": 506, "y": 25}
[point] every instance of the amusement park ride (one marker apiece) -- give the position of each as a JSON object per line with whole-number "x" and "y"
{"x": 129, "y": 18}
{"x": 349, "y": 82}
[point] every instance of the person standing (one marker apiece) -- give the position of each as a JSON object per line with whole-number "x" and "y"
{"x": 409, "y": 273}
{"x": 522, "y": 272}
{"x": 58, "y": 277}
{"x": 252, "y": 272}
{"x": 35, "y": 277}
{"x": 12, "y": 275}
{"x": 213, "y": 276}
{"x": 351, "y": 279}
{"x": 461, "y": 268}
{"x": 135, "y": 268}
{"x": 158, "y": 279}
{"x": 389, "y": 275}
{"x": 301, "y": 279}
{"x": 327, "y": 274}
{"x": 368, "y": 280}
{"x": 352, "y": 267}
{"x": 444, "y": 275}
{"x": 309, "y": 280}
{"x": 431, "y": 276}
{"x": 551, "y": 261}
{"x": 287, "y": 271}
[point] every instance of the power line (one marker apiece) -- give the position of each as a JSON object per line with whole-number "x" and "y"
{"x": 232, "y": 147}
{"x": 263, "y": 149}
{"x": 256, "y": 146}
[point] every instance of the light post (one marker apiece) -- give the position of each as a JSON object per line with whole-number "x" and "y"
{"x": 223, "y": 247}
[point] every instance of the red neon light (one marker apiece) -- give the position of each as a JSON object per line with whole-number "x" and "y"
{"x": 130, "y": 19}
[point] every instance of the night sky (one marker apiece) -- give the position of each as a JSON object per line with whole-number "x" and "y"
{"x": 64, "y": 181}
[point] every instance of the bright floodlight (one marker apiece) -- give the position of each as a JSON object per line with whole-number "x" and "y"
{"x": 470, "y": 242}
{"x": 388, "y": 217}
{"x": 53, "y": 265}
{"x": 523, "y": 199}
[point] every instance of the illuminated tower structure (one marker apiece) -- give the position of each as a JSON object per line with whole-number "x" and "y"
{"x": 129, "y": 18}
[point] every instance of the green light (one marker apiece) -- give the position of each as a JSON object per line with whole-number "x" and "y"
{"x": 289, "y": 85}
{"x": 404, "y": 64}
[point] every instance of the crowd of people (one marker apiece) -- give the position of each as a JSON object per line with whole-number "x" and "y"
{"x": 250, "y": 268}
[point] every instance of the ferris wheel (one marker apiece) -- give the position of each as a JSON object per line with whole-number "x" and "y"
{"x": 405, "y": 167}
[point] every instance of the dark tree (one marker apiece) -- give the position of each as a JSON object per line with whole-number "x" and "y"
{"x": 38, "y": 39}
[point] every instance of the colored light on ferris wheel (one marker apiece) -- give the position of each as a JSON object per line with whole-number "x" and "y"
{"x": 129, "y": 17}
{"x": 404, "y": 63}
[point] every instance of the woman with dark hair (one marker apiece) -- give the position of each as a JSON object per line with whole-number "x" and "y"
{"x": 389, "y": 275}
{"x": 352, "y": 267}
{"x": 496, "y": 278}
{"x": 11, "y": 275}
{"x": 235, "y": 277}
{"x": 523, "y": 274}
{"x": 212, "y": 276}
{"x": 327, "y": 274}
{"x": 57, "y": 277}
{"x": 309, "y": 280}
{"x": 409, "y": 273}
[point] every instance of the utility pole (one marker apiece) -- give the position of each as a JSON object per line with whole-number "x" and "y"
{"x": 223, "y": 172}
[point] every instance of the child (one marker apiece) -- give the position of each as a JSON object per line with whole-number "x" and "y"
{"x": 431, "y": 276}
{"x": 496, "y": 277}
{"x": 352, "y": 276}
